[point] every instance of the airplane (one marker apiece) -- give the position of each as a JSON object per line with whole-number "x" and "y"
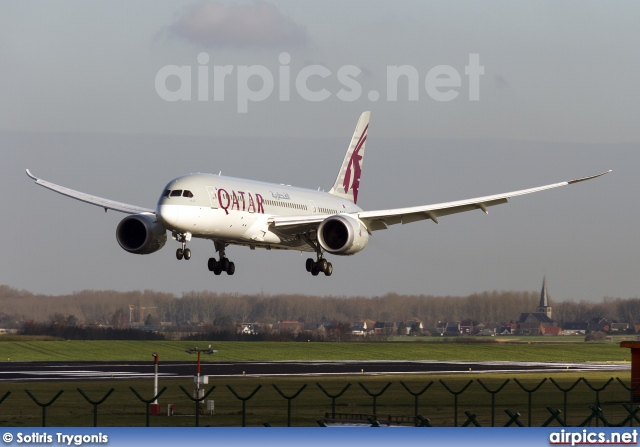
{"x": 233, "y": 211}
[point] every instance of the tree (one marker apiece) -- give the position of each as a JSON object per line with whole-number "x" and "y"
{"x": 119, "y": 319}
{"x": 150, "y": 321}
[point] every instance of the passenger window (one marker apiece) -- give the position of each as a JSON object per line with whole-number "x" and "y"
{"x": 187, "y": 193}
{"x": 176, "y": 193}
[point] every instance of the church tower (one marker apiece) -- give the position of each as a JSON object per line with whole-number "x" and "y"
{"x": 544, "y": 307}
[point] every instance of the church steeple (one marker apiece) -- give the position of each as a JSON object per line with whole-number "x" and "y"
{"x": 544, "y": 307}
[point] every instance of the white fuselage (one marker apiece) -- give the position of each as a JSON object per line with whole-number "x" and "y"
{"x": 237, "y": 210}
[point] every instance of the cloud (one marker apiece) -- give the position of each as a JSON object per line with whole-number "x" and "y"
{"x": 258, "y": 24}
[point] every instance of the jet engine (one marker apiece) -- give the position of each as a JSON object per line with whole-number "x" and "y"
{"x": 342, "y": 235}
{"x": 141, "y": 234}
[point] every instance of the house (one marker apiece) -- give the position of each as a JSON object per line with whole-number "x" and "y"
{"x": 477, "y": 329}
{"x": 290, "y": 326}
{"x": 508, "y": 329}
{"x": 550, "y": 330}
{"x": 599, "y": 324}
{"x": 413, "y": 327}
{"x": 466, "y": 327}
{"x": 487, "y": 329}
{"x": 359, "y": 328}
{"x": 452, "y": 328}
{"x": 385, "y": 328}
{"x": 575, "y": 328}
{"x": 486, "y": 332}
{"x": 532, "y": 322}
{"x": 247, "y": 328}
{"x": 530, "y": 328}
{"x": 328, "y": 326}
{"x": 619, "y": 327}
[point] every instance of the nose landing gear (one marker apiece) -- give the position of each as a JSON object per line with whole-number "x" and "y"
{"x": 183, "y": 252}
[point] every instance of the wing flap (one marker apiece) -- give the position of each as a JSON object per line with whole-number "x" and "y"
{"x": 292, "y": 225}
{"x": 91, "y": 199}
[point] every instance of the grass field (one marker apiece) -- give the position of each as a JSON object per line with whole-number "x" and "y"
{"x": 568, "y": 349}
{"x": 122, "y": 408}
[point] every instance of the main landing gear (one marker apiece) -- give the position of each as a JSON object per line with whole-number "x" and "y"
{"x": 222, "y": 265}
{"x": 321, "y": 265}
{"x": 183, "y": 252}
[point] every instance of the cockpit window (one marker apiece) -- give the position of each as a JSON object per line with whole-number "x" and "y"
{"x": 187, "y": 193}
{"x": 166, "y": 193}
{"x": 176, "y": 193}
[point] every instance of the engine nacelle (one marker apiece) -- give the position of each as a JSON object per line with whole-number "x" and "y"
{"x": 141, "y": 234}
{"x": 342, "y": 235}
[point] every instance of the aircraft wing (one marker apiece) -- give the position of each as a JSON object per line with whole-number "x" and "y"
{"x": 93, "y": 200}
{"x": 380, "y": 220}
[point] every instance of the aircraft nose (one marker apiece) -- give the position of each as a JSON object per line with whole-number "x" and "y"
{"x": 169, "y": 214}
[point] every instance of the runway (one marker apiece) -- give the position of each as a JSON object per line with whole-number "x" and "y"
{"x": 82, "y": 371}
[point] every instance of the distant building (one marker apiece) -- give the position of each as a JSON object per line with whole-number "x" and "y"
{"x": 414, "y": 327}
{"x": 290, "y": 326}
{"x": 508, "y": 329}
{"x": 551, "y": 330}
{"x": 452, "y": 327}
{"x": 247, "y": 328}
{"x": 533, "y": 323}
{"x": 359, "y": 328}
{"x": 385, "y": 328}
{"x": 466, "y": 327}
{"x": 575, "y": 328}
{"x": 543, "y": 307}
{"x": 599, "y": 324}
{"x": 619, "y": 327}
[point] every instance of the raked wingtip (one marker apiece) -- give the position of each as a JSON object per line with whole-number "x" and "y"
{"x": 570, "y": 182}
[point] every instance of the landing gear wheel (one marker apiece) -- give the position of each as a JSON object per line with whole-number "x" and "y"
{"x": 187, "y": 254}
{"x": 225, "y": 264}
{"x": 322, "y": 265}
{"x": 179, "y": 254}
{"x": 309, "y": 264}
{"x": 231, "y": 269}
{"x": 217, "y": 269}
{"x": 315, "y": 271}
{"x": 212, "y": 264}
{"x": 329, "y": 270}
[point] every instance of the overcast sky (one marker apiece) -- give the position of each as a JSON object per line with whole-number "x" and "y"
{"x": 116, "y": 98}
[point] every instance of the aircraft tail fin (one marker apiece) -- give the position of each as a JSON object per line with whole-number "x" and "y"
{"x": 348, "y": 181}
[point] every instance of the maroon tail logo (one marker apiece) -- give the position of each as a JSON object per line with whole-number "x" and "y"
{"x": 352, "y": 174}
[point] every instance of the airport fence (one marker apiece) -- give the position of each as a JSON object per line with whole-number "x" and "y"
{"x": 456, "y": 402}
